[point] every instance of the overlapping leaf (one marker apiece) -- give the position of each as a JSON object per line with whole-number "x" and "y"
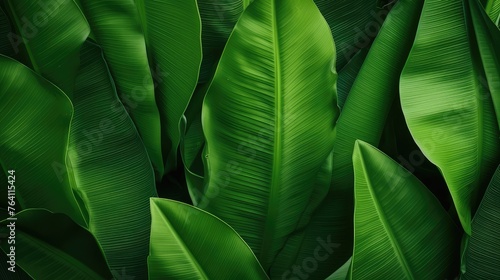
{"x": 268, "y": 118}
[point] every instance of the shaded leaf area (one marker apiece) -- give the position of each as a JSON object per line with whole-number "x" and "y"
{"x": 348, "y": 74}
{"x": 52, "y": 246}
{"x": 262, "y": 160}
{"x": 117, "y": 29}
{"x": 180, "y": 252}
{"x": 353, "y": 24}
{"x": 452, "y": 120}
{"x": 173, "y": 38}
{"x": 342, "y": 273}
{"x": 36, "y": 119}
{"x": 52, "y": 32}
{"x": 401, "y": 229}
{"x": 111, "y": 168}
{"x": 482, "y": 254}
{"x": 6, "y": 35}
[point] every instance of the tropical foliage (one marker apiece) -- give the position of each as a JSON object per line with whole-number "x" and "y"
{"x": 250, "y": 139}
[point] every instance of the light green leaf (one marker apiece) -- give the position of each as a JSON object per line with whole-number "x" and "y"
{"x": 353, "y": 25}
{"x": 36, "y": 118}
{"x": 52, "y": 33}
{"x": 117, "y": 29}
{"x": 483, "y": 251}
{"x": 492, "y": 8}
{"x": 268, "y": 120}
{"x": 52, "y": 246}
{"x": 189, "y": 243}
{"x": 173, "y": 37}
{"x": 111, "y": 168}
{"x": 447, "y": 109}
{"x": 401, "y": 229}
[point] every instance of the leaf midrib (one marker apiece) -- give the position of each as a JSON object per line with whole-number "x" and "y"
{"x": 392, "y": 237}
{"x": 273, "y": 205}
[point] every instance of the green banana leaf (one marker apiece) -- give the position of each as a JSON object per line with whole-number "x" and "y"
{"x": 36, "y": 119}
{"x": 189, "y": 243}
{"x": 111, "y": 167}
{"x": 218, "y": 20}
{"x": 273, "y": 96}
{"x": 19, "y": 273}
{"x": 342, "y": 273}
{"x": 52, "y": 33}
{"x": 448, "y": 110}
{"x": 401, "y": 229}
{"x": 52, "y": 246}
{"x": 348, "y": 75}
{"x": 173, "y": 37}
{"x": 192, "y": 142}
{"x": 369, "y": 102}
{"x": 353, "y": 24}
{"x": 260, "y": 118}
{"x": 492, "y": 8}
{"x": 488, "y": 42}
{"x": 483, "y": 251}
{"x": 117, "y": 29}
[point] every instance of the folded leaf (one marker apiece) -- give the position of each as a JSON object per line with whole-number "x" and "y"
{"x": 111, "y": 167}
{"x": 52, "y": 32}
{"x": 52, "y": 246}
{"x": 448, "y": 110}
{"x": 188, "y": 243}
{"x": 482, "y": 254}
{"x": 173, "y": 37}
{"x": 268, "y": 119}
{"x": 401, "y": 229}
{"x": 117, "y": 29}
{"x": 34, "y": 131}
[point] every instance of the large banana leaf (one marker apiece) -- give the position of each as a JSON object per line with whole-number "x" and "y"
{"x": 401, "y": 229}
{"x": 52, "y": 32}
{"x": 352, "y": 23}
{"x": 117, "y": 29}
{"x": 365, "y": 112}
{"x": 189, "y": 243}
{"x": 110, "y": 166}
{"x": 482, "y": 254}
{"x": 488, "y": 41}
{"x": 34, "y": 131}
{"x": 268, "y": 119}
{"x": 52, "y": 246}
{"x": 448, "y": 110}
{"x": 173, "y": 37}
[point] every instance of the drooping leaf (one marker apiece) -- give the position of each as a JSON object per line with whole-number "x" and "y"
{"x": 268, "y": 119}
{"x": 189, "y": 243}
{"x": 173, "y": 37}
{"x": 111, "y": 167}
{"x": 447, "y": 109}
{"x": 52, "y": 246}
{"x": 353, "y": 25}
{"x": 52, "y": 32}
{"x": 34, "y": 131}
{"x": 482, "y": 254}
{"x": 117, "y": 29}
{"x": 401, "y": 229}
